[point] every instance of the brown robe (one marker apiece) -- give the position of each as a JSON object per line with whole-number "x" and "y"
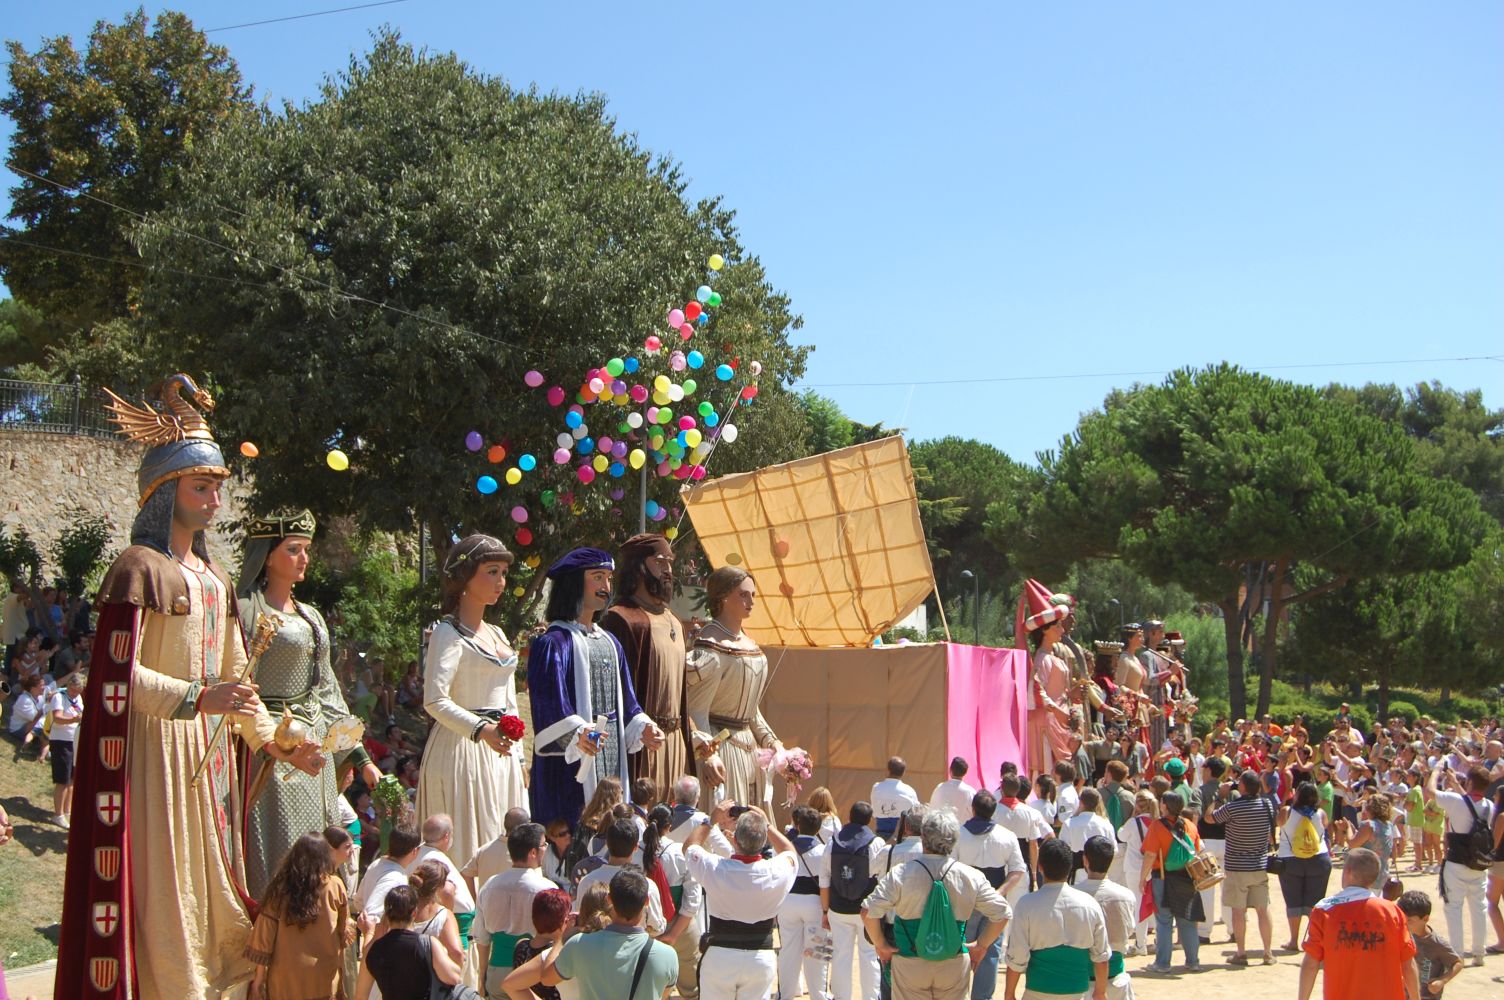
{"x": 655, "y": 647}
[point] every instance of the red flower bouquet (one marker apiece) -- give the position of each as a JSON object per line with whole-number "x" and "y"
{"x": 511, "y": 727}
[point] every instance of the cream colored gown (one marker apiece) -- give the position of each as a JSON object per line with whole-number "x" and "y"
{"x": 726, "y": 681}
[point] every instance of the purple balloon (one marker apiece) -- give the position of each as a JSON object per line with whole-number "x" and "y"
{"x": 474, "y": 441}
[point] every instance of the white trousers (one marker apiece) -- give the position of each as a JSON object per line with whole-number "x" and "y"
{"x": 1465, "y": 895}
{"x": 798, "y": 917}
{"x": 848, "y": 933}
{"x": 687, "y": 947}
{"x": 1209, "y": 896}
{"x": 1119, "y": 987}
{"x": 731, "y": 974}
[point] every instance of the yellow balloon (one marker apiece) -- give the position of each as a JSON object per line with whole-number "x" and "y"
{"x": 338, "y": 460}
{"x": 514, "y": 476}
{"x": 601, "y": 463}
{"x": 671, "y": 533}
{"x": 533, "y": 561}
{"x": 637, "y": 457}
{"x": 692, "y": 437}
{"x": 661, "y": 383}
{"x": 576, "y": 508}
{"x": 661, "y": 398}
{"x": 716, "y": 262}
{"x": 624, "y": 399}
{"x": 518, "y": 591}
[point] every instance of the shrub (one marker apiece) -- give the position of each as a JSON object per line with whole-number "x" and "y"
{"x": 79, "y": 550}
{"x": 1404, "y": 710}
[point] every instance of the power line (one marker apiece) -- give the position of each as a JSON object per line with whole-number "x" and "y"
{"x": 299, "y": 17}
{"x": 137, "y": 262}
{"x": 1131, "y": 374}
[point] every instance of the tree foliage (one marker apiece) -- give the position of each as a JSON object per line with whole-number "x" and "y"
{"x": 1234, "y": 485}
{"x": 113, "y": 123}
{"x": 79, "y": 550}
{"x": 956, "y": 479}
{"x": 402, "y": 251}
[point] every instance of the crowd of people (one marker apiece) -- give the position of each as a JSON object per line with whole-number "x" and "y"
{"x": 283, "y": 828}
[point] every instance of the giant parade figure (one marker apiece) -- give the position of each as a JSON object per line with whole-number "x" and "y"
{"x": 1041, "y": 621}
{"x": 154, "y": 900}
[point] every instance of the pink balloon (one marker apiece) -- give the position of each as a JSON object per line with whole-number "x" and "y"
{"x": 639, "y": 393}
{"x": 533, "y": 379}
{"x": 561, "y": 455}
{"x": 604, "y": 444}
{"x": 596, "y": 385}
{"x": 577, "y": 408}
{"x": 519, "y": 514}
{"x": 676, "y": 318}
{"x": 685, "y": 423}
{"x": 555, "y": 396}
{"x": 652, "y": 414}
{"x": 698, "y": 472}
{"x": 664, "y": 468}
{"x": 652, "y": 344}
{"x": 676, "y": 361}
{"x": 686, "y": 331}
{"x": 586, "y": 474}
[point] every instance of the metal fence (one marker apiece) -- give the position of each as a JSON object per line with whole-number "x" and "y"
{"x": 53, "y": 408}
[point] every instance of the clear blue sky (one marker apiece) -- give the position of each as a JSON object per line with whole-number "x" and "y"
{"x": 1007, "y": 190}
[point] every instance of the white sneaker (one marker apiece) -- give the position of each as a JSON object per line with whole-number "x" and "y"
{"x": 61, "y": 821}
{"x": 1477, "y": 962}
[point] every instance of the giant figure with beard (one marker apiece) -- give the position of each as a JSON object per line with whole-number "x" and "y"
{"x": 154, "y": 900}
{"x": 653, "y": 638}
{"x": 577, "y": 673}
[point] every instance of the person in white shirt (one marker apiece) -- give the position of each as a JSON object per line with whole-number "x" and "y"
{"x": 504, "y": 908}
{"x": 1119, "y": 908}
{"x": 438, "y": 835}
{"x": 1043, "y": 800}
{"x": 67, "y": 707}
{"x": 1462, "y": 884}
{"x": 906, "y": 842}
{"x": 1021, "y": 819}
{"x": 493, "y": 858}
{"x": 1053, "y": 918}
{"x": 385, "y": 873}
{"x": 1131, "y": 837}
{"x": 685, "y": 815}
{"x": 622, "y": 850}
{"x": 994, "y": 851}
{"x": 1088, "y": 822}
{"x": 847, "y": 875}
{"x": 891, "y": 798}
{"x": 688, "y": 897}
{"x": 1067, "y": 799}
{"x": 743, "y": 894}
{"x": 803, "y": 939}
{"x": 954, "y": 795}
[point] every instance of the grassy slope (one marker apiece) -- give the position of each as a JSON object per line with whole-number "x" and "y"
{"x": 31, "y": 866}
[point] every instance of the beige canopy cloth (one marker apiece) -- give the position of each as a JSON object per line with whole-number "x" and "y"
{"x": 833, "y": 540}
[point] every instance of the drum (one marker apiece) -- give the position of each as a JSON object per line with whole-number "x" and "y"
{"x": 1204, "y": 870}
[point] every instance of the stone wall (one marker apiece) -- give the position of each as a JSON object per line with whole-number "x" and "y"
{"x": 51, "y": 478}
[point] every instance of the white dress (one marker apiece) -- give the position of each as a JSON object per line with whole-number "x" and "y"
{"x": 465, "y": 778}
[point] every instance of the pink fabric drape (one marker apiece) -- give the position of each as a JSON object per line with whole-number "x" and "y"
{"x": 986, "y": 713}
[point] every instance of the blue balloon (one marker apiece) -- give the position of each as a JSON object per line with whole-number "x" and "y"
{"x": 651, "y": 507}
{"x": 486, "y": 484}
{"x": 527, "y": 463}
{"x": 584, "y": 445}
{"x": 711, "y": 419}
{"x": 630, "y": 365}
{"x": 694, "y": 359}
{"x": 704, "y": 318}
{"x": 724, "y": 373}
{"x": 573, "y": 420}
{"x": 616, "y": 469}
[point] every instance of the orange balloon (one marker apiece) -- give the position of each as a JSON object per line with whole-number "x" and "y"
{"x": 496, "y": 453}
{"x": 249, "y": 449}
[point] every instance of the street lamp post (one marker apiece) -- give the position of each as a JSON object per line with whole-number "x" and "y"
{"x": 1113, "y": 600}
{"x": 976, "y": 618}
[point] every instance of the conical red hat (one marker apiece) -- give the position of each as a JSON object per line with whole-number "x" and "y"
{"x": 1036, "y": 609}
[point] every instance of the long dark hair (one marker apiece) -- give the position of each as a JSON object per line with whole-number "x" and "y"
{"x": 297, "y": 887}
{"x": 564, "y": 597}
{"x": 659, "y": 818}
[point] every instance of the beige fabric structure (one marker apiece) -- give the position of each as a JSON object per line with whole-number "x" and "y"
{"x": 852, "y": 708}
{"x": 833, "y": 540}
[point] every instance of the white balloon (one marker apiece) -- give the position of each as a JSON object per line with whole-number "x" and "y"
{"x": 675, "y": 392}
{"x": 756, "y": 367}
{"x": 634, "y": 420}
{"x": 729, "y": 434}
{"x": 580, "y": 431}
{"x": 565, "y": 440}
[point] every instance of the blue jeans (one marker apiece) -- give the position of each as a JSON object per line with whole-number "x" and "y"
{"x": 984, "y": 978}
{"x": 1164, "y": 945}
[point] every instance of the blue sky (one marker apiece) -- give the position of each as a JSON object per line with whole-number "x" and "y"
{"x": 1031, "y": 192}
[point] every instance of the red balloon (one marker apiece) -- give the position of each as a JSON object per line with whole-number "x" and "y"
{"x": 524, "y": 537}
{"x": 692, "y": 310}
{"x": 750, "y": 392}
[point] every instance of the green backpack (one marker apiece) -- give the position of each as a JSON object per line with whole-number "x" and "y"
{"x": 937, "y": 935}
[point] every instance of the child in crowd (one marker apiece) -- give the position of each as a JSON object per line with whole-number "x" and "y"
{"x": 1437, "y": 962}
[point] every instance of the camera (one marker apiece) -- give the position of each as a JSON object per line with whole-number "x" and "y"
{"x": 737, "y": 810}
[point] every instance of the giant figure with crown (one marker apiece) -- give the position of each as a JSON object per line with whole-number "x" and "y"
{"x": 154, "y": 900}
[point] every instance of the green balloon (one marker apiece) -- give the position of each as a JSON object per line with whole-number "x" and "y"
{"x": 714, "y": 300}
{"x": 689, "y": 387}
{"x": 706, "y": 409}
{"x": 665, "y": 415}
{"x": 615, "y": 367}
{"x": 548, "y": 498}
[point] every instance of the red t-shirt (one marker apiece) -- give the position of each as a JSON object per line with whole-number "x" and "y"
{"x": 1362, "y": 943}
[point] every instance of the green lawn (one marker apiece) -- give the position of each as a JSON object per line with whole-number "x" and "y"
{"x": 31, "y": 866}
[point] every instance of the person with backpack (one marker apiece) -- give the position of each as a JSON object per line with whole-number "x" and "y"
{"x": 930, "y": 898}
{"x": 1469, "y": 854}
{"x": 803, "y": 939}
{"x": 1058, "y": 942}
{"x": 846, "y": 879}
{"x": 1169, "y": 844}
{"x": 1304, "y": 858}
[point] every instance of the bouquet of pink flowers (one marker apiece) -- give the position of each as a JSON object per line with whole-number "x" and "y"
{"x": 794, "y": 765}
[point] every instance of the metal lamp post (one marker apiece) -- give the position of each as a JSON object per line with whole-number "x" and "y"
{"x": 976, "y": 620}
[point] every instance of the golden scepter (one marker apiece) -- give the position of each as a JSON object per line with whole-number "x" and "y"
{"x": 266, "y": 629}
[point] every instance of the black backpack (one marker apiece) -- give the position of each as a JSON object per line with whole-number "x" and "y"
{"x": 1480, "y": 840}
{"x": 851, "y": 878}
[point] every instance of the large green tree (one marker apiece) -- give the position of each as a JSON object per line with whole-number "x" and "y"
{"x": 403, "y": 250}
{"x": 1251, "y": 493}
{"x": 958, "y": 477}
{"x": 111, "y": 124}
